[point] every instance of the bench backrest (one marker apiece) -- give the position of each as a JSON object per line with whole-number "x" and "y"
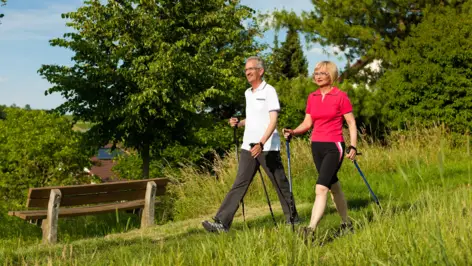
{"x": 96, "y": 193}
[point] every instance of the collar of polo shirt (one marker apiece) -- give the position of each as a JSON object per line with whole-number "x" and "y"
{"x": 260, "y": 87}
{"x": 333, "y": 91}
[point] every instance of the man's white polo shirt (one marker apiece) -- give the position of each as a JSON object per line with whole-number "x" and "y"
{"x": 258, "y": 105}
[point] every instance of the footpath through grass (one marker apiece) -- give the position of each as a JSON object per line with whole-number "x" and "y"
{"x": 425, "y": 218}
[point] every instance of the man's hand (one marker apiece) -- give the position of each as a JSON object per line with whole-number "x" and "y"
{"x": 256, "y": 149}
{"x": 233, "y": 121}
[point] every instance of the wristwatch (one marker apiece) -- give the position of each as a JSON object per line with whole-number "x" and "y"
{"x": 262, "y": 145}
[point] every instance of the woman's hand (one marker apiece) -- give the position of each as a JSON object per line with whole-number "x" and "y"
{"x": 352, "y": 153}
{"x": 288, "y": 133}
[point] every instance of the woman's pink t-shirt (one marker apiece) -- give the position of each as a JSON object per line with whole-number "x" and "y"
{"x": 327, "y": 114}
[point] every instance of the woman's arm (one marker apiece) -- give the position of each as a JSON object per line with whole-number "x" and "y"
{"x": 351, "y": 122}
{"x": 302, "y": 128}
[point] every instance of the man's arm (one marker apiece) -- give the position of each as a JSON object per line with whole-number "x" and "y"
{"x": 257, "y": 149}
{"x": 273, "y": 115}
{"x": 233, "y": 121}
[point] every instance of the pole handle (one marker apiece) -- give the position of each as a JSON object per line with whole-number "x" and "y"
{"x": 348, "y": 150}
{"x": 290, "y": 136}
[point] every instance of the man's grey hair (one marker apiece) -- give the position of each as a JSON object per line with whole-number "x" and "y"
{"x": 260, "y": 61}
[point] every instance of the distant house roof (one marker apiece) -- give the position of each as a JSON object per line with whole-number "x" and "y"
{"x": 103, "y": 163}
{"x": 105, "y": 153}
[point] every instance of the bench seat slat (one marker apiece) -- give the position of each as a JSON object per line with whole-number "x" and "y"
{"x": 96, "y": 193}
{"x": 96, "y": 198}
{"x": 79, "y": 211}
{"x": 44, "y": 192}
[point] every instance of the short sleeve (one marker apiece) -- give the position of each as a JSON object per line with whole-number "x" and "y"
{"x": 272, "y": 100}
{"x": 345, "y": 105}
{"x": 308, "y": 105}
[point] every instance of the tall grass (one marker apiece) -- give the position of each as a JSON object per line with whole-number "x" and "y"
{"x": 407, "y": 159}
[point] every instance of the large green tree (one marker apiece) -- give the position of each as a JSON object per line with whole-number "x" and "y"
{"x": 364, "y": 30}
{"x": 431, "y": 77}
{"x": 288, "y": 61}
{"x": 38, "y": 149}
{"x": 154, "y": 73}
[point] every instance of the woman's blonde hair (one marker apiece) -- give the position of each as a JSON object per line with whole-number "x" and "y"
{"x": 330, "y": 67}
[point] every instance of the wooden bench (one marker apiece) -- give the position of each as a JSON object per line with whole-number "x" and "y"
{"x": 122, "y": 195}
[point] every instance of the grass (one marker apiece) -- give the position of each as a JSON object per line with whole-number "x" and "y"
{"x": 425, "y": 192}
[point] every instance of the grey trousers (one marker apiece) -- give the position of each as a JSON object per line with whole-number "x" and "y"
{"x": 271, "y": 162}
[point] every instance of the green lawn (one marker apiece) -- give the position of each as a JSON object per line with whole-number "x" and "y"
{"x": 425, "y": 191}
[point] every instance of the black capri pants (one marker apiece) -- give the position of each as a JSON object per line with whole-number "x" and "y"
{"x": 328, "y": 157}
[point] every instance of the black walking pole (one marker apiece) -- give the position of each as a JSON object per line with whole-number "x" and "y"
{"x": 348, "y": 150}
{"x": 287, "y": 144}
{"x": 265, "y": 190}
{"x": 235, "y": 128}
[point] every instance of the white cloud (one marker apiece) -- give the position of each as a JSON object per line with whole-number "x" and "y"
{"x": 293, "y": 5}
{"x": 3, "y": 79}
{"x": 35, "y": 24}
{"x": 326, "y": 51}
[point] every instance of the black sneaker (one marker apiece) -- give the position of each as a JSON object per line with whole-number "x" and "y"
{"x": 344, "y": 229}
{"x": 214, "y": 227}
{"x": 296, "y": 221}
{"x": 307, "y": 233}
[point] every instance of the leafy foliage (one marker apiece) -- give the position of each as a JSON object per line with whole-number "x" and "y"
{"x": 148, "y": 73}
{"x": 293, "y": 94}
{"x": 431, "y": 77}
{"x": 288, "y": 61}
{"x": 364, "y": 30}
{"x": 367, "y": 105}
{"x": 38, "y": 149}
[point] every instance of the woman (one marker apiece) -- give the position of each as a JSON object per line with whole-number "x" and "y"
{"x": 325, "y": 110}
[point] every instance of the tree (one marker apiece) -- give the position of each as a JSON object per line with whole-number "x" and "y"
{"x": 2, "y": 3}
{"x": 152, "y": 73}
{"x": 38, "y": 149}
{"x": 293, "y": 94}
{"x": 288, "y": 60}
{"x": 430, "y": 80}
{"x": 364, "y": 30}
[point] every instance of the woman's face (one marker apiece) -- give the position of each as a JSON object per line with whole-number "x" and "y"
{"x": 321, "y": 77}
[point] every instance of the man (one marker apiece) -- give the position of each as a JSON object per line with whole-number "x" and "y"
{"x": 262, "y": 107}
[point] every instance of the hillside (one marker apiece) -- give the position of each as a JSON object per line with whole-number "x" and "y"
{"x": 425, "y": 191}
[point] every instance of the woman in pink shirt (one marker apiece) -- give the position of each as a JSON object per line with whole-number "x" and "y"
{"x": 325, "y": 110}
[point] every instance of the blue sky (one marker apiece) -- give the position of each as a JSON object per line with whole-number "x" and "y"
{"x": 28, "y": 25}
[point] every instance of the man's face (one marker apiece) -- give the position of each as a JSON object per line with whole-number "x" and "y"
{"x": 253, "y": 72}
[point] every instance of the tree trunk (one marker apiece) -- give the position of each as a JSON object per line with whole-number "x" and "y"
{"x": 146, "y": 160}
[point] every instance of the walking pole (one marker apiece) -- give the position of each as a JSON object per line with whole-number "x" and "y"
{"x": 287, "y": 144}
{"x": 348, "y": 150}
{"x": 235, "y": 128}
{"x": 265, "y": 190}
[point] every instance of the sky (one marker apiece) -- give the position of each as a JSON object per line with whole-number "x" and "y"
{"x": 28, "y": 26}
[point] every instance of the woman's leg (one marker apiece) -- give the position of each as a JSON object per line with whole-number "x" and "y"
{"x": 339, "y": 201}
{"x": 319, "y": 205}
{"x": 328, "y": 157}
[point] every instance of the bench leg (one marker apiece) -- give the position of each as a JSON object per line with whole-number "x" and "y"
{"x": 49, "y": 225}
{"x": 147, "y": 218}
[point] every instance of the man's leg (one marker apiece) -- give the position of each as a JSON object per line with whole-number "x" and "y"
{"x": 246, "y": 171}
{"x": 272, "y": 164}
